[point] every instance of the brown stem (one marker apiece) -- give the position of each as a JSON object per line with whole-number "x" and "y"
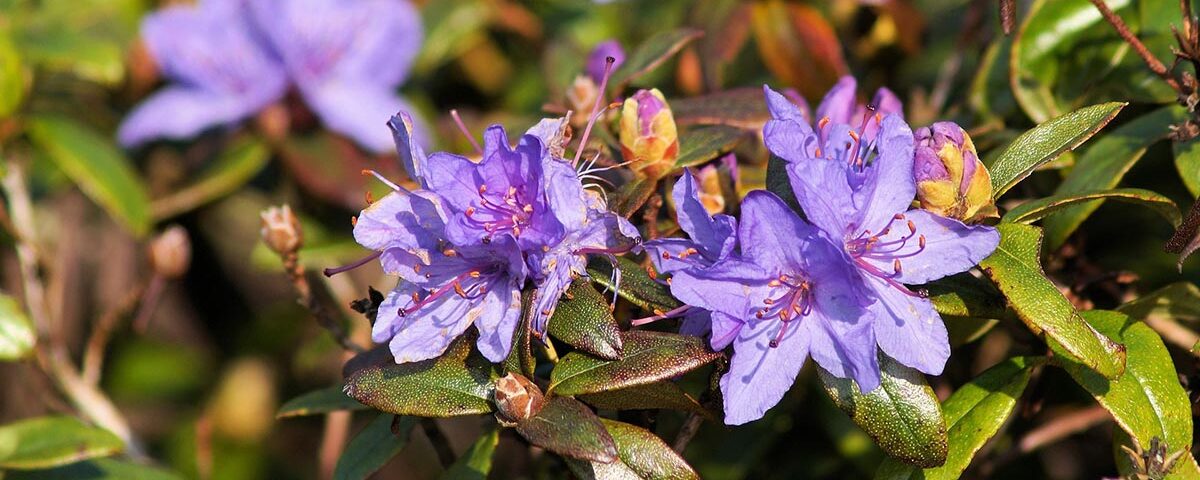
{"x": 650, "y": 215}
{"x": 337, "y": 428}
{"x": 317, "y": 303}
{"x": 440, "y": 443}
{"x": 1008, "y": 15}
{"x": 149, "y": 302}
{"x": 1152, "y": 62}
{"x": 93, "y": 354}
{"x": 690, "y": 427}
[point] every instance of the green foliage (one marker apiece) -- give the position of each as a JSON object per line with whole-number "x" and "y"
{"x": 584, "y": 321}
{"x": 649, "y": 357}
{"x": 46, "y": 442}
{"x": 374, "y": 446}
{"x": 703, "y": 144}
{"x": 567, "y": 427}
{"x": 476, "y": 462}
{"x": 319, "y": 402}
{"x": 457, "y": 383}
{"x": 1035, "y": 210}
{"x": 16, "y": 332}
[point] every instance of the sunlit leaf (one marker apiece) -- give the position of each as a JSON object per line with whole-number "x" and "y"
{"x": 740, "y": 107}
{"x": 649, "y": 357}
{"x": 457, "y": 383}
{"x": 647, "y": 454}
{"x": 319, "y": 402}
{"x": 567, "y": 427}
{"x": 636, "y": 286}
{"x": 1035, "y": 210}
{"x": 584, "y": 321}
{"x": 1187, "y": 161}
{"x": 665, "y": 394}
{"x": 96, "y": 469}
{"x": 12, "y": 79}
{"x": 46, "y": 442}
{"x": 17, "y": 336}
{"x": 373, "y": 447}
{"x": 703, "y": 144}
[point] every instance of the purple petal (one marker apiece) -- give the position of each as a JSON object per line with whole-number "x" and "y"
{"x": 724, "y": 330}
{"x": 357, "y": 110}
{"x": 453, "y": 177}
{"x": 888, "y": 186}
{"x": 597, "y": 60}
{"x": 408, "y": 146}
{"x": 565, "y": 194}
{"x": 845, "y": 349}
{"x": 425, "y": 333}
{"x": 733, "y": 287}
{"x": 716, "y": 238}
{"x": 697, "y": 323}
{"x": 545, "y": 300}
{"x": 840, "y": 103}
{"x": 909, "y": 329}
{"x": 772, "y": 235}
{"x": 788, "y": 134}
{"x": 950, "y": 247}
{"x": 667, "y": 255}
{"x": 822, "y": 190}
{"x": 887, "y": 103}
{"x": 759, "y": 375}
{"x": 178, "y": 113}
{"x": 501, "y": 312}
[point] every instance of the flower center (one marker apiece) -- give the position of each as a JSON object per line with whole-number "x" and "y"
{"x": 500, "y": 213}
{"x": 866, "y": 247}
{"x": 470, "y": 285}
{"x": 794, "y": 300}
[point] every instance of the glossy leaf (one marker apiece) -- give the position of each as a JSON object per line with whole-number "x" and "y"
{"x": 373, "y": 447}
{"x": 584, "y": 321}
{"x": 646, "y": 454}
{"x": 649, "y": 357}
{"x": 12, "y": 78}
{"x": 45, "y": 442}
{"x": 798, "y": 45}
{"x": 1187, "y": 161}
{"x": 239, "y": 163}
{"x": 990, "y": 93}
{"x": 1179, "y": 301}
{"x": 650, "y": 54}
{"x": 520, "y": 359}
{"x": 739, "y": 107}
{"x": 457, "y": 383}
{"x": 631, "y": 196}
{"x": 616, "y": 470}
{"x": 1147, "y": 401}
{"x": 96, "y": 469}
{"x": 1104, "y": 164}
{"x": 779, "y": 183}
{"x": 1046, "y": 142}
{"x": 1035, "y": 210}
{"x": 665, "y": 394}
{"x": 569, "y": 428}
{"x": 1015, "y": 267}
{"x": 319, "y": 402}
{"x": 476, "y": 462}
{"x": 973, "y": 414}
{"x": 636, "y": 286}
{"x": 17, "y": 336}
{"x": 703, "y": 144}
{"x": 964, "y": 295}
{"x": 902, "y": 415}
{"x": 95, "y": 164}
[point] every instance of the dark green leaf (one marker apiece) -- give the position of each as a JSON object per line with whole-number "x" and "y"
{"x": 636, "y": 285}
{"x": 583, "y": 321}
{"x": 616, "y": 470}
{"x": 963, "y": 295}
{"x": 476, "y": 462}
{"x": 457, "y": 383}
{"x": 1056, "y": 205}
{"x": 239, "y": 163}
{"x": 703, "y": 144}
{"x": 318, "y": 402}
{"x": 12, "y": 79}
{"x": 973, "y": 415}
{"x": 740, "y": 107}
{"x": 569, "y": 428}
{"x": 16, "y": 333}
{"x": 964, "y": 330}
{"x": 902, "y": 415}
{"x": 373, "y": 447}
{"x": 631, "y": 196}
{"x": 990, "y": 92}
{"x": 1179, "y": 301}
{"x": 665, "y": 394}
{"x": 779, "y": 183}
{"x": 1147, "y": 401}
{"x": 649, "y": 357}
{"x": 1015, "y": 267}
{"x": 95, "y": 164}
{"x": 520, "y": 359}
{"x": 652, "y": 53}
{"x": 646, "y": 454}
{"x": 1046, "y": 142}
{"x": 95, "y": 469}
{"x": 45, "y": 442}
{"x": 1104, "y": 164}
{"x": 1187, "y": 161}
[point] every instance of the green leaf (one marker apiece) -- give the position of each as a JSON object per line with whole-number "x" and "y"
{"x": 990, "y": 93}
{"x": 12, "y": 78}
{"x": 1147, "y": 401}
{"x": 373, "y": 447}
{"x": 739, "y": 107}
{"x": 520, "y": 359}
{"x": 779, "y": 183}
{"x": 17, "y": 336}
{"x": 617, "y": 470}
{"x": 636, "y": 285}
{"x": 1185, "y": 467}
{"x": 95, "y": 164}
{"x": 1187, "y": 161}
{"x": 703, "y": 144}
{"x": 1053, "y": 206}
{"x": 646, "y": 454}
{"x": 973, "y": 414}
{"x": 902, "y": 415}
{"x": 476, "y": 462}
{"x": 631, "y": 196}
{"x": 649, "y": 357}
{"x": 1180, "y": 301}
{"x": 86, "y": 38}
{"x": 964, "y": 330}
{"x": 1104, "y": 163}
{"x": 318, "y": 402}
{"x": 45, "y": 442}
{"x": 963, "y": 295}
{"x": 652, "y": 53}
{"x": 237, "y": 164}
{"x": 583, "y": 321}
{"x": 95, "y": 469}
{"x": 569, "y": 428}
{"x": 664, "y": 394}
{"x": 1046, "y": 142}
{"x": 457, "y": 383}
{"x": 1015, "y": 267}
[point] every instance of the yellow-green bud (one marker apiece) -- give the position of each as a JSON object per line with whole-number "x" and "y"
{"x": 648, "y": 136}
{"x": 951, "y": 181}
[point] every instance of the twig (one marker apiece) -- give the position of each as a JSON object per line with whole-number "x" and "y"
{"x": 337, "y": 428}
{"x": 93, "y": 354}
{"x": 440, "y": 443}
{"x": 690, "y": 427}
{"x": 1049, "y": 433}
{"x": 1008, "y": 15}
{"x": 1152, "y": 62}
{"x": 149, "y": 302}
{"x": 650, "y": 215}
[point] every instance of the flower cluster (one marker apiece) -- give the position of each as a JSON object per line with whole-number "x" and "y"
{"x": 835, "y": 286}
{"x": 466, "y": 242}
{"x": 231, "y": 58}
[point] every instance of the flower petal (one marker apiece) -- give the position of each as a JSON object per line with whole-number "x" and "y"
{"x": 772, "y": 235}
{"x": 908, "y": 329}
{"x": 714, "y": 238}
{"x": 409, "y": 147}
{"x": 178, "y": 113}
{"x": 824, "y": 195}
{"x": 759, "y": 375}
{"x": 888, "y": 186}
{"x": 950, "y": 247}
{"x": 667, "y": 255}
{"x": 840, "y": 103}
{"x": 501, "y": 313}
{"x": 212, "y": 47}
{"x": 788, "y": 134}
{"x": 732, "y": 287}
{"x": 844, "y": 349}
{"x": 426, "y": 332}
{"x": 357, "y": 110}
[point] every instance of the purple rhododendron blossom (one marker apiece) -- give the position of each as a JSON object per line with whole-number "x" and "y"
{"x": 859, "y": 191}
{"x": 596, "y": 61}
{"x": 788, "y": 295}
{"x": 228, "y": 59}
{"x": 841, "y": 107}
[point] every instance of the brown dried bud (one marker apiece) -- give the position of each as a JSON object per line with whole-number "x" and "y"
{"x": 517, "y": 399}
{"x": 170, "y": 252}
{"x": 281, "y": 230}
{"x": 274, "y": 121}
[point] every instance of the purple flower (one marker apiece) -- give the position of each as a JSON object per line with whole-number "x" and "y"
{"x": 230, "y": 58}
{"x": 596, "y": 60}
{"x": 859, "y": 192}
{"x": 839, "y": 107}
{"x": 787, "y": 296}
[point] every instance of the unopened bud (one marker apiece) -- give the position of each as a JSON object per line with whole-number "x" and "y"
{"x": 951, "y": 180}
{"x": 170, "y": 252}
{"x": 281, "y": 230}
{"x": 581, "y": 96}
{"x": 648, "y": 135}
{"x": 517, "y": 399}
{"x": 711, "y": 196}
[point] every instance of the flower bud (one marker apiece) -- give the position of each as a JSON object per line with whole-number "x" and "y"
{"x": 517, "y": 399}
{"x": 648, "y": 136}
{"x": 951, "y": 181}
{"x": 581, "y": 97}
{"x": 281, "y": 230}
{"x": 599, "y": 56}
{"x": 170, "y": 252}
{"x": 711, "y": 196}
